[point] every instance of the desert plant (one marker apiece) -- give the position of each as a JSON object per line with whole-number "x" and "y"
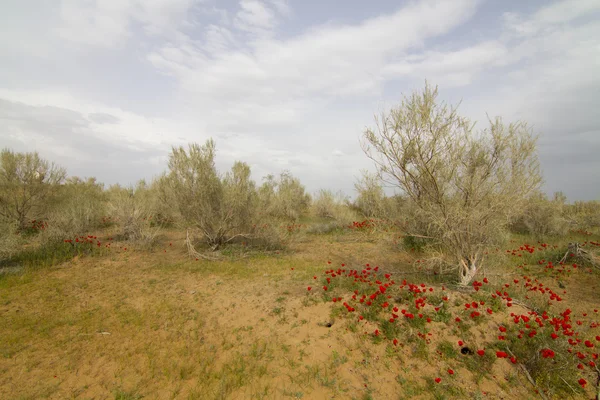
{"x": 284, "y": 197}
{"x": 324, "y": 204}
{"x": 163, "y": 199}
{"x": 370, "y": 200}
{"x": 130, "y": 208}
{"x": 79, "y": 207}
{"x": 10, "y": 240}
{"x": 464, "y": 185}
{"x": 583, "y": 214}
{"x": 27, "y": 184}
{"x": 221, "y": 208}
{"x": 542, "y": 217}
{"x": 335, "y": 208}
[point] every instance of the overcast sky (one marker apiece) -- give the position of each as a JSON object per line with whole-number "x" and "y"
{"x": 106, "y": 87}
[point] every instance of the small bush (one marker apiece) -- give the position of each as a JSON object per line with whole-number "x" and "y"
{"x": 584, "y": 214}
{"x": 541, "y": 217}
{"x": 28, "y": 184}
{"x": 79, "y": 208}
{"x": 132, "y": 213}
{"x": 10, "y": 240}
{"x": 284, "y": 198}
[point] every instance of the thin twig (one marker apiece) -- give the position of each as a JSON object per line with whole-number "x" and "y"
{"x": 542, "y": 395}
{"x": 567, "y": 383}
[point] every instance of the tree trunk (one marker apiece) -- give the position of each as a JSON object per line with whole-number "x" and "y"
{"x": 467, "y": 271}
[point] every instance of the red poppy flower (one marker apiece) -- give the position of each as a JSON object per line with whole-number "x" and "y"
{"x": 438, "y": 380}
{"x": 450, "y": 372}
{"x": 547, "y": 353}
{"x": 308, "y": 288}
{"x": 582, "y": 382}
{"x": 501, "y": 354}
{"x": 481, "y": 352}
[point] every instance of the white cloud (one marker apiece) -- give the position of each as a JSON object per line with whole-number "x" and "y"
{"x": 298, "y": 102}
{"x": 307, "y": 70}
{"x": 556, "y": 13}
{"x": 255, "y": 16}
{"x": 108, "y": 23}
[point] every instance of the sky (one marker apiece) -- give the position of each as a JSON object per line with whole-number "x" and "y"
{"x": 105, "y": 88}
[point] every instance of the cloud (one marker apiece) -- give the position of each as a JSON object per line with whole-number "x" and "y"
{"x": 109, "y": 23}
{"x": 556, "y": 13}
{"x": 255, "y": 17}
{"x": 273, "y": 81}
{"x": 105, "y": 70}
{"x": 101, "y": 118}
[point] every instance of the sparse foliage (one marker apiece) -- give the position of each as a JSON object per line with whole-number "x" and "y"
{"x": 584, "y": 214}
{"x": 465, "y": 185}
{"x": 27, "y": 184}
{"x": 334, "y": 207}
{"x": 370, "y": 195}
{"x": 283, "y": 198}
{"x": 9, "y": 239}
{"x": 79, "y": 207}
{"x": 221, "y": 208}
{"x": 131, "y": 209}
{"x": 542, "y": 217}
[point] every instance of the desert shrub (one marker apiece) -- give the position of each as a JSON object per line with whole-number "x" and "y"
{"x": 283, "y": 198}
{"x": 583, "y": 214}
{"x": 464, "y": 186}
{"x": 221, "y": 208}
{"x": 324, "y": 204}
{"x": 78, "y": 209}
{"x": 131, "y": 210}
{"x": 162, "y": 201}
{"x": 372, "y": 202}
{"x": 542, "y": 217}
{"x": 335, "y": 208}
{"x": 10, "y": 240}
{"x": 27, "y": 185}
{"x": 370, "y": 199}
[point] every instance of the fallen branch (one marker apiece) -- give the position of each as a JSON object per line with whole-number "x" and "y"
{"x": 192, "y": 251}
{"x": 576, "y": 250}
{"x": 529, "y": 378}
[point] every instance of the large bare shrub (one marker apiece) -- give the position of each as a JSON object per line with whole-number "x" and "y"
{"x": 465, "y": 185}
{"x": 27, "y": 184}
{"x": 221, "y": 208}
{"x": 284, "y": 197}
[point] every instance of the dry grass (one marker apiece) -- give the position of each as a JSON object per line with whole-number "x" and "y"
{"x": 158, "y": 325}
